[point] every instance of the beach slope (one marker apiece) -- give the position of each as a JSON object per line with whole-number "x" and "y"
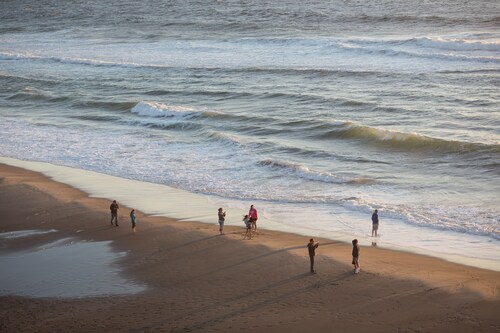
{"x": 199, "y": 281}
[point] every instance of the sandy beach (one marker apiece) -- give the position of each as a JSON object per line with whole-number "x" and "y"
{"x": 199, "y": 281}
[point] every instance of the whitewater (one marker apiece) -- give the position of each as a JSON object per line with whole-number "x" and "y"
{"x": 317, "y": 115}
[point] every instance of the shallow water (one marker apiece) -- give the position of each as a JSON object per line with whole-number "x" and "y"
{"x": 64, "y": 268}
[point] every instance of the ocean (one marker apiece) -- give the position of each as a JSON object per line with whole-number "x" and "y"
{"x": 316, "y": 112}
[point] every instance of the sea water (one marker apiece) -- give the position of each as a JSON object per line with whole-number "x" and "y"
{"x": 316, "y": 112}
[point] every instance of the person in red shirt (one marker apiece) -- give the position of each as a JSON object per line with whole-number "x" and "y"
{"x": 252, "y": 213}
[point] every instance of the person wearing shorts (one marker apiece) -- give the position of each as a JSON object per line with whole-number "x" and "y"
{"x": 252, "y": 213}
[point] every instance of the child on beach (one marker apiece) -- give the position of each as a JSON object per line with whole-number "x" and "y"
{"x": 355, "y": 255}
{"x": 222, "y": 217}
{"x": 248, "y": 225}
{"x": 133, "y": 219}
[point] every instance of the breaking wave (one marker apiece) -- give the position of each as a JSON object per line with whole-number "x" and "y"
{"x": 157, "y": 110}
{"x": 402, "y": 141}
{"x": 307, "y": 173}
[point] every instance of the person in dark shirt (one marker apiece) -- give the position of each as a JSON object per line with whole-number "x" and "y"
{"x": 221, "y": 214}
{"x": 133, "y": 219}
{"x": 375, "y": 223}
{"x": 355, "y": 255}
{"x": 311, "y": 247}
{"x": 114, "y": 212}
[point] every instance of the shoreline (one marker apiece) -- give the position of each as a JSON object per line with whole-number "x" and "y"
{"x": 200, "y": 281}
{"x": 161, "y": 200}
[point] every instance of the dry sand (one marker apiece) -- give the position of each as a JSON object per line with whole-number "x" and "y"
{"x": 200, "y": 281}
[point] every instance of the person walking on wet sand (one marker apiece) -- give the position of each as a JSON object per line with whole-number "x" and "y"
{"x": 222, "y": 217}
{"x": 133, "y": 219}
{"x": 355, "y": 255}
{"x": 311, "y": 247}
{"x": 252, "y": 213}
{"x": 114, "y": 212}
{"x": 375, "y": 223}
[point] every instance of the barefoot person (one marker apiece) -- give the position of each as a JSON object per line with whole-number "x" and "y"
{"x": 311, "y": 247}
{"x": 252, "y": 213}
{"x": 114, "y": 212}
{"x": 248, "y": 226}
{"x": 222, "y": 217}
{"x": 133, "y": 219}
{"x": 375, "y": 223}
{"x": 355, "y": 255}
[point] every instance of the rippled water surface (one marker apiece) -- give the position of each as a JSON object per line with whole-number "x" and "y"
{"x": 306, "y": 109}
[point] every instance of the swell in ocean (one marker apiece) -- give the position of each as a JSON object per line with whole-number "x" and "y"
{"x": 317, "y": 115}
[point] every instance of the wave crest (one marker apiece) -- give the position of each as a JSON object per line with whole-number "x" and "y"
{"x": 307, "y": 173}
{"x": 157, "y": 110}
{"x": 400, "y": 140}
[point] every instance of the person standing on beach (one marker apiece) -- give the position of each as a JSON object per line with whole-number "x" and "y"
{"x": 248, "y": 226}
{"x": 311, "y": 247}
{"x": 375, "y": 223}
{"x": 355, "y": 255}
{"x": 222, "y": 217}
{"x": 252, "y": 213}
{"x": 133, "y": 219}
{"x": 114, "y": 212}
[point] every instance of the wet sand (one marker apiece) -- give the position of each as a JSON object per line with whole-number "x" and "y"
{"x": 199, "y": 281}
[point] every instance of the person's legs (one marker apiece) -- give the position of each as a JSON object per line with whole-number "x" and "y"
{"x": 311, "y": 259}
{"x": 254, "y": 224}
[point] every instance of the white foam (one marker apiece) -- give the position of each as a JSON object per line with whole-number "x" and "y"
{"x": 153, "y": 109}
{"x": 24, "y": 233}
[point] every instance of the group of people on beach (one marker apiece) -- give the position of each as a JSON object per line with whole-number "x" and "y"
{"x": 312, "y": 246}
{"x": 114, "y": 215}
{"x": 250, "y": 221}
